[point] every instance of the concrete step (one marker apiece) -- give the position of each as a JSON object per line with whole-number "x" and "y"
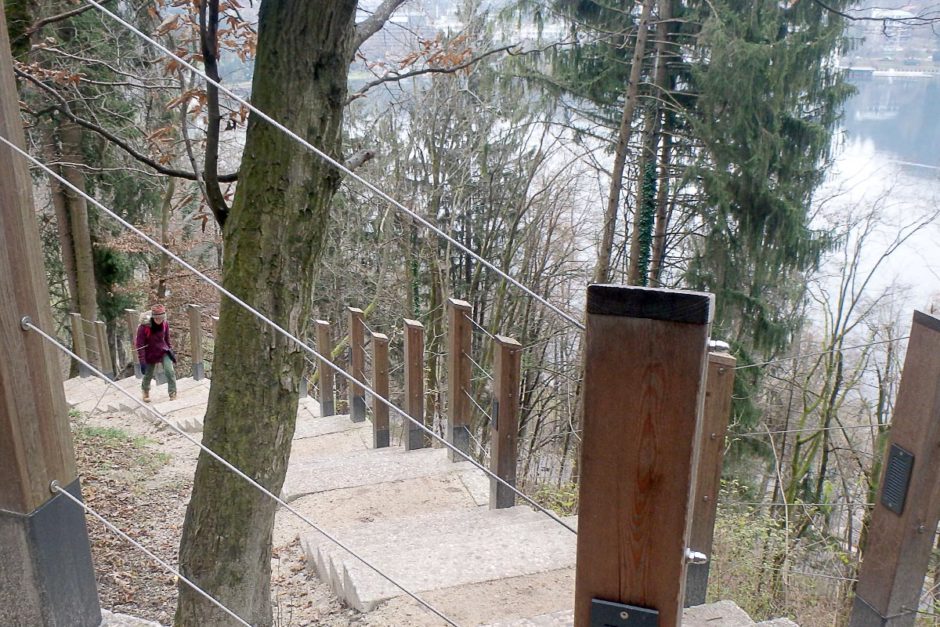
{"x": 409, "y": 534}
{"x": 85, "y": 394}
{"x": 357, "y": 437}
{"x": 312, "y": 427}
{"x": 371, "y": 467}
{"x": 78, "y": 387}
{"x": 310, "y": 406}
{"x": 405, "y": 532}
{"x": 433, "y": 560}
{"x": 337, "y": 509}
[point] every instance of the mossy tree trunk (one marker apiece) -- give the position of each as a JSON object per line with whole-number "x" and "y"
{"x": 273, "y": 237}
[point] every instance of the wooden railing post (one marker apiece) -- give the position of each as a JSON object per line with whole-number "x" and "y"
{"x": 504, "y": 429}
{"x": 644, "y": 383}
{"x": 412, "y": 436}
{"x": 325, "y": 347}
{"x": 46, "y": 576}
{"x": 904, "y": 520}
{"x": 380, "y": 437}
{"x": 458, "y": 377}
{"x": 78, "y": 343}
{"x": 132, "y": 320}
{"x": 195, "y": 341}
{"x": 719, "y": 385}
{"x": 357, "y": 365}
{"x": 105, "y": 363}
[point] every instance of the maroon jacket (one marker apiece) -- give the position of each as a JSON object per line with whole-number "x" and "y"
{"x": 152, "y": 342}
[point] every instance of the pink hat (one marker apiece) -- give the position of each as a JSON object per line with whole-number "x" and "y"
{"x": 158, "y": 310}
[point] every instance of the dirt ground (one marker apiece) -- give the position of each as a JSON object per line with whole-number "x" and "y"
{"x": 140, "y": 479}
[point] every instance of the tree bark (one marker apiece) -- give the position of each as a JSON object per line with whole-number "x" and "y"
{"x": 602, "y": 265}
{"x": 70, "y": 138}
{"x": 662, "y": 207}
{"x": 273, "y": 237}
{"x": 60, "y": 204}
{"x": 638, "y": 272}
{"x": 165, "y": 207}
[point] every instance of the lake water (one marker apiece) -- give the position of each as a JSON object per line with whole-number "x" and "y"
{"x": 888, "y": 153}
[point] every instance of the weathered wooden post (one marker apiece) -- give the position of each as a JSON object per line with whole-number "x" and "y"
{"x": 904, "y": 520}
{"x": 132, "y": 318}
{"x": 380, "y": 437}
{"x": 78, "y": 341}
{"x": 195, "y": 341}
{"x": 412, "y": 436}
{"x": 325, "y": 347}
{"x": 644, "y": 383}
{"x": 458, "y": 377}
{"x": 46, "y": 577}
{"x": 357, "y": 365}
{"x": 91, "y": 343}
{"x": 105, "y": 363}
{"x": 718, "y": 391}
{"x": 504, "y": 430}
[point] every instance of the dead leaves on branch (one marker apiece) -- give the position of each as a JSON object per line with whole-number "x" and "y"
{"x": 63, "y": 78}
{"x": 180, "y": 18}
{"x": 439, "y": 54}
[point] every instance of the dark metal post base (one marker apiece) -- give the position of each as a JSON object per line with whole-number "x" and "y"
{"x": 47, "y": 578}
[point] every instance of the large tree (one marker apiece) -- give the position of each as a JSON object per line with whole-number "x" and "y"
{"x": 273, "y": 236}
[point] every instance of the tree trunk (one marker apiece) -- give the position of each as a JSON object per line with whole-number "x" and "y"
{"x": 273, "y": 237}
{"x": 602, "y": 265}
{"x": 70, "y": 138}
{"x": 641, "y": 238}
{"x": 165, "y": 208}
{"x": 662, "y": 207}
{"x": 60, "y": 205}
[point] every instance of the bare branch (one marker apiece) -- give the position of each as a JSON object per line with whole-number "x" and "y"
{"x": 395, "y": 77}
{"x": 209, "y": 38}
{"x": 374, "y": 23}
{"x": 915, "y": 20}
{"x": 359, "y": 159}
{"x": 62, "y": 105}
{"x": 58, "y": 18}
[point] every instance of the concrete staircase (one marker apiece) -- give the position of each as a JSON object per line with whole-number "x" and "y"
{"x": 416, "y": 516}
{"x": 438, "y": 550}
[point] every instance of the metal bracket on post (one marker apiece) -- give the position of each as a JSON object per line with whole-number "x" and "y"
{"x": 610, "y": 614}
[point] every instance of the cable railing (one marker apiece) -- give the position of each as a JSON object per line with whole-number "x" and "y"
{"x": 57, "y": 489}
{"x": 27, "y": 324}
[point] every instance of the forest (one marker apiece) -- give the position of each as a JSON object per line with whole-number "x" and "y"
{"x": 506, "y": 154}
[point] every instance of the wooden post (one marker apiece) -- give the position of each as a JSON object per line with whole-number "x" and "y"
{"x": 46, "y": 576}
{"x": 325, "y": 347}
{"x": 105, "y": 362}
{"x": 78, "y": 341}
{"x": 504, "y": 429}
{"x": 380, "y": 437}
{"x": 412, "y": 436}
{"x": 458, "y": 377}
{"x": 91, "y": 343}
{"x": 904, "y": 521}
{"x": 132, "y": 319}
{"x": 357, "y": 365}
{"x": 718, "y": 388}
{"x": 195, "y": 341}
{"x": 644, "y": 383}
